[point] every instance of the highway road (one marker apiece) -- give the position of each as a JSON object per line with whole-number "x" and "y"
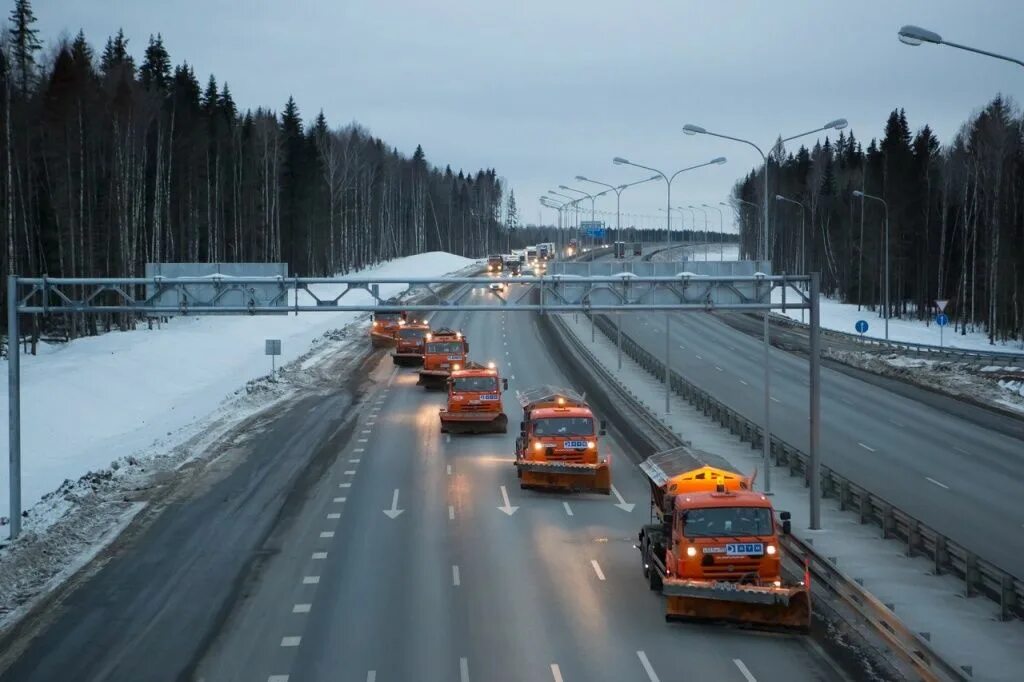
{"x": 946, "y": 468}
{"x": 391, "y": 554}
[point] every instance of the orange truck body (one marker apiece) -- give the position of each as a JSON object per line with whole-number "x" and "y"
{"x": 444, "y": 350}
{"x": 558, "y": 445}
{"x": 474, "y": 401}
{"x": 384, "y": 327}
{"x": 714, "y": 550}
{"x": 409, "y": 342}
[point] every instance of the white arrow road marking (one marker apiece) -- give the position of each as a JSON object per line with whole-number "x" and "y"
{"x": 743, "y": 670}
{"x": 622, "y": 504}
{"x": 651, "y": 675}
{"x": 556, "y": 672}
{"x": 506, "y": 507}
{"x": 597, "y": 569}
{"x": 568, "y": 509}
{"x": 394, "y": 511}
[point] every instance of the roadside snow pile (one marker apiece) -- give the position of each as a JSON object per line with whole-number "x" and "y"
{"x": 844, "y": 316}
{"x": 992, "y": 385}
{"x": 96, "y": 400}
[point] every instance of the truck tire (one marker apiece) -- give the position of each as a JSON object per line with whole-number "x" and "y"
{"x": 644, "y": 556}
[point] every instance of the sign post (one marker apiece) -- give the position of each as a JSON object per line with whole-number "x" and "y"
{"x": 941, "y": 319}
{"x": 272, "y": 347}
{"x": 861, "y": 327}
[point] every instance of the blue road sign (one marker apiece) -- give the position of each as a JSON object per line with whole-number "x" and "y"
{"x": 942, "y": 319}
{"x": 861, "y": 326}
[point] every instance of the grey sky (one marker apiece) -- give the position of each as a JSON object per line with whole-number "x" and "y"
{"x": 545, "y": 91}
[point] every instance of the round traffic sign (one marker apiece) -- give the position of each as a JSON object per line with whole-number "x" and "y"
{"x": 861, "y": 326}
{"x": 942, "y": 319}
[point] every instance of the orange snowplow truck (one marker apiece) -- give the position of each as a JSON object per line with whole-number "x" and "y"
{"x": 384, "y": 327}
{"x": 713, "y": 547}
{"x": 558, "y": 443}
{"x": 474, "y": 401}
{"x": 444, "y": 350}
{"x": 409, "y": 340}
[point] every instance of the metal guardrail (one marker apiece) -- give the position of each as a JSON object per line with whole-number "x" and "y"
{"x": 979, "y": 575}
{"x": 912, "y": 647}
{"x": 926, "y": 349}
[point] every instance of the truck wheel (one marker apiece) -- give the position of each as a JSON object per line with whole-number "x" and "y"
{"x": 644, "y": 554}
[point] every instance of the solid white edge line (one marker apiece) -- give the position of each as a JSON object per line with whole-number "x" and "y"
{"x": 556, "y": 672}
{"x": 743, "y": 670}
{"x": 648, "y": 668}
{"x": 597, "y": 569}
{"x": 938, "y": 483}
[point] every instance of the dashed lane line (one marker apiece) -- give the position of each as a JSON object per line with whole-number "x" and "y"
{"x": 319, "y": 556}
{"x": 449, "y": 469}
{"x": 867, "y": 447}
{"x": 648, "y": 668}
{"x": 366, "y": 431}
{"x": 277, "y": 678}
{"x": 463, "y": 670}
{"x": 451, "y": 512}
{"x": 597, "y": 569}
{"x": 456, "y": 579}
{"x": 344, "y": 485}
{"x": 311, "y": 580}
{"x": 363, "y": 440}
{"x": 556, "y": 672}
{"x": 568, "y": 509}
{"x": 301, "y": 608}
{"x": 333, "y": 515}
{"x": 339, "y": 500}
{"x": 327, "y": 533}
{"x": 371, "y": 676}
{"x": 938, "y": 483}
{"x": 744, "y": 671}
{"x": 717, "y": 368}
{"x": 359, "y": 450}
{"x": 744, "y": 383}
{"x": 350, "y": 472}
{"x": 773, "y": 399}
{"x": 353, "y": 461}
{"x": 700, "y": 357}
{"x": 291, "y": 641}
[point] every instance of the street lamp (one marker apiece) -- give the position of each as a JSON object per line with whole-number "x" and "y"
{"x": 589, "y": 196}
{"x": 697, "y": 208}
{"x": 721, "y": 232}
{"x": 862, "y": 195}
{"x": 803, "y": 253}
{"x": 618, "y": 197}
{"x": 690, "y": 129}
{"x": 915, "y": 35}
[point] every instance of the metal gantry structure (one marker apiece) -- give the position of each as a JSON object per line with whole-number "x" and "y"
{"x": 623, "y": 292}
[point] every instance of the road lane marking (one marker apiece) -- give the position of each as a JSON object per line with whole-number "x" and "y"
{"x": 344, "y": 485}
{"x": 463, "y": 670}
{"x": 350, "y": 472}
{"x": 568, "y": 509}
{"x": 277, "y": 678}
{"x": 896, "y": 423}
{"x": 743, "y": 670}
{"x": 301, "y": 608}
{"x": 556, "y": 672}
{"x": 290, "y": 641}
{"x": 319, "y": 555}
{"x": 363, "y": 440}
{"x": 456, "y": 580}
{"x": 731, "y": 347}
{"x": 651, "y": 675}
{"x": 774, "y": 399}
{"x": 365, "y": 431}
{"x": 597, "y": 569}
{"x": 339, "y": 499}
{"x": 681, "y": 347}
{"x": 371, "y": 676}
{"x": 867, "y": 447}
{"x": 449, "y": 469}
{"x": 327, "y": 533}
{"x": 961, "y": 450}
{"x": 938, "y": 483}
{"x": 451, "y": 512}
{"x": 311, "y": 580}
{"x": 353, "y": 461}
{"x": 447, "y": 438}
{"x": 333, "y": 515}
{"x": 359, "y": 450}
{"x": 744, "y": 383}
{"x": 699, "y": 357}
{"x": 506, "y": 507}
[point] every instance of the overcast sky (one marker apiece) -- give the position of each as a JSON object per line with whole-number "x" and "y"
{"x": 545, "y": 91}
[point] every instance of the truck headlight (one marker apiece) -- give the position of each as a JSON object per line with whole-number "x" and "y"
{"x": 691, "y": 551}
{"x": 770, "y": 550}
{"x": 455, "y": 366}
{"x": 591, "y": 444}
{"x": 538, "y": 445}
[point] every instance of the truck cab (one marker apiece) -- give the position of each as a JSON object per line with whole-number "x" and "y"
{"x": 559, "y": 442}
{"x": 444, "y": 351}
{"x": 620, "y": 249}
{"x": 409, "y": 340}
{"x": 474, "y": 401}
{"x": 495, "y": 264}
{"x": 384, "y": 327}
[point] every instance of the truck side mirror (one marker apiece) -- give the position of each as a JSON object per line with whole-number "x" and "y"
{"x": 504, "y": 384}
{"x": 522, "y": 427}
{"x": 604, "y": 428}
{"x": 786, "y": 527}
{"x": 785, "y": 516}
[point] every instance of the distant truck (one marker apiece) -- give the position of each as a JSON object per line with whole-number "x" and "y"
{"x": 572, "y": 249}
{"x": 474, "y": 401}
{"x": 531, "y": 255}
{"x": 444, "y": 351}
{"x": 558, "y": 443}
{"x": 384, "y": 327}
{"x": 638, "y": 249}
{"x": 409, "y": 340}
{"x": 619, "y": 249}
{"x": 546, "y": 251}
{"x": 495, "y": 263}
{"x": 713, "y": 547}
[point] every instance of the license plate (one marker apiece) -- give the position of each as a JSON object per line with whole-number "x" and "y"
{"x": 454, "y": 357}
{"x": 574, "y": 444}
{"x": 744, "y": 548}
{"x": 714, "y": 550}
{"x": 490, "y": 398}
{"x": 444, "y": 365}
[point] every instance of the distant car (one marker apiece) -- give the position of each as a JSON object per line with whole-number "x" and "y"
{"x": 497, "y": 286}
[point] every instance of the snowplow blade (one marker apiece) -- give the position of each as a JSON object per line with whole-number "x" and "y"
{"x": 407, "y": 359}
{"x": 592, "y": 478}
{"x": 473, "y": 422}
{"x": 382, "y": 340}
{"x": 787, "y": 608}
{"x": 432, "y": 379}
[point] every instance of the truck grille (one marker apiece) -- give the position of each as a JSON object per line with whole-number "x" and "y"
{"x": 577, "y": 456}
{"x": 731, "y": 568}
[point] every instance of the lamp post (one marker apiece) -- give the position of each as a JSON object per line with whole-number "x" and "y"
{"x": 698, "y": 208}
{"x": 618, "y": 197}
{"x": 766, "y": 445}
{"x": 682, "y": 223}
{"x": 574, "y": 202}
{"x": 803, "y": 258}
{"x": 721, "y": 232}
{"x": 592, "y": 197}
{"x": 915, "y": 35}
{"x": 862, "y": 195}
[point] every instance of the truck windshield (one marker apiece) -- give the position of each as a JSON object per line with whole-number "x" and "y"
{"x": 412, "y": 333}
{"x": 387, "y": 317}
{"x": 475, "y": 384}
{"x": 564, "y": 426}
{"x": 445, "y": 347}
{"x": 727, "y": 521}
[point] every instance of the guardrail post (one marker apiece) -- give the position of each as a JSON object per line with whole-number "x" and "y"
{"x": 913, "y": 535}
{"x": 844, "y": 494}
{"x": 972, "y": 576}
{"x": 888, "y": 521}
{"x": 940, "y": 553}
{"x": 864, "y": 508}
{"x": 1007, "y": 598}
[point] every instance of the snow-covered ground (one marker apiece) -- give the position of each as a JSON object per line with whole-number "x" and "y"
{"x": 709, "y": 252}
{"x": 964, "y": 631}
{"x": 97, "y": 400}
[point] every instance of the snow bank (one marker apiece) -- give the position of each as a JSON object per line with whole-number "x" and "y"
{"x": 92, "y": 401}
{"x": 843, "y": 316}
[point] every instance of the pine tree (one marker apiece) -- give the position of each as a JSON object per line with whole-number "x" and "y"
{"x": 512, "y": 212}
{"x": 115, "y": 55}
{"x": 155, "y": 72}
{"x": 25, "y": 43}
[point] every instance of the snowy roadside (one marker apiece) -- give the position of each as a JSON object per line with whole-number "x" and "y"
{"x": 964, "y": 631}
{"x": 108, "y": 476}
